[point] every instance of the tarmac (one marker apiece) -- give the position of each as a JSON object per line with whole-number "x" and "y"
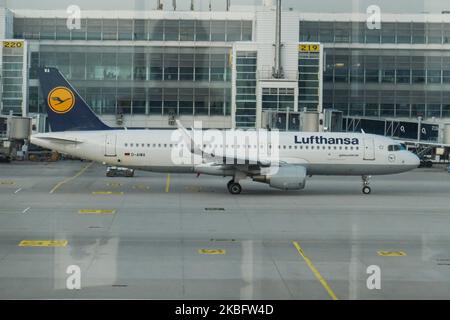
{"x": 160, "y": 236}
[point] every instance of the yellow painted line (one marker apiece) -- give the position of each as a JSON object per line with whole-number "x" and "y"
{"x": 315, "y": 271}
{"x": 391, "y": 253}
{"x": 107, "y": 193}
{"x": 212, "y": 251}
{"x": 97, "y": 211}
{"x": 71, "y": 178}
{"x": 168, "y": 183}
{"x": 7, "y": 182}
{"x": 43, "y": 243}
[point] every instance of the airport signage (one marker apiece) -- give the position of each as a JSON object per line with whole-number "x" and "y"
{"x": 308, "y": 47}
{"x": 12, "y": 44}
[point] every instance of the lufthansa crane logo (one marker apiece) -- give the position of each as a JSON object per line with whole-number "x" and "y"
{"x": 61, "y": 100}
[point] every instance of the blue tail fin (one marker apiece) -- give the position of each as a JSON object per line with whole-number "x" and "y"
{"x": 66, "y": 110}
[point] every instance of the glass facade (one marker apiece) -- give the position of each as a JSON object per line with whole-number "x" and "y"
{"x": 246, "y": 65}
{"x": 12, "y": 78}
{"x": 308, "y": 80}
{"x": 142, "y": 80}
{"x": 388, "y": 83}
{"x": 278, "y": 99}
{"x": 389, "y": 33}
{"x": 134, "y": 29}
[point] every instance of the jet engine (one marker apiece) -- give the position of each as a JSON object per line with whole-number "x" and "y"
{"x": 286, "y": 178}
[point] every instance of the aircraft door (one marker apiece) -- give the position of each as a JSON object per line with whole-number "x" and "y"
{"x": 369, "y": 149}
{"x": 110, "y": 145}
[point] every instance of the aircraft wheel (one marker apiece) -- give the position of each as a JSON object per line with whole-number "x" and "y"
{"x": 366, "y": 190}
{"x": 235, "y": 188}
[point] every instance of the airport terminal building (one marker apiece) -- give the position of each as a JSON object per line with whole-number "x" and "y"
{"x": 146, "y": 68}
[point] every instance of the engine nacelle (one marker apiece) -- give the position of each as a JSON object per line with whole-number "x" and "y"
{"x": 287, "y": 178}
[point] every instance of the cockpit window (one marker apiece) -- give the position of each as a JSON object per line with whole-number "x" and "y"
{"x": 395, "y": 147}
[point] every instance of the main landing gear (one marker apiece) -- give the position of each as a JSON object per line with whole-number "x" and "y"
{"x": 234, "y": 187}
{"x": 366, "y": 181}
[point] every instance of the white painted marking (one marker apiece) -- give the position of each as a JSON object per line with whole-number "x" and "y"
{"x": 17, "y": 190}
{"x": 24, "y": 211}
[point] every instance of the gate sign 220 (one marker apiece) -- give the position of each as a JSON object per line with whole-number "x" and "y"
{"x": 12, "y": 44}
{"x": 308, "y": 47}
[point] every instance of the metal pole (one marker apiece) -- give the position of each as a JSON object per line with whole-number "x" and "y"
{"x": 277, "y": 67}
{"x": 192, "y": 5}
{"x": 228, "y": 5}
{"x": 174, "y": 4}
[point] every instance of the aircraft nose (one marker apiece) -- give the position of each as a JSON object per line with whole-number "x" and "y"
{"x": 414, "y": 160}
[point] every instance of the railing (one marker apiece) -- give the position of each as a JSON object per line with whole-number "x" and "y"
{"x": 267, "y": 74}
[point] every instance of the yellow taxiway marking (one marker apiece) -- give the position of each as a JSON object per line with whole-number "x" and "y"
{"x": 79, "y": 173}
{"x": 43, "y": 243}
{"x": 107, "y": 193}
{"x": 168, "y": 183}
{"x": 391, "y": 253}
{"x": 212, "y": 251}
{"x": 315, "y": 271}
{"x": 97, "y": 211}
{"x": 7, "y": 182}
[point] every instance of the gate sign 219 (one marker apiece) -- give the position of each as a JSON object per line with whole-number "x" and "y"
{"x": 309, "y": 47}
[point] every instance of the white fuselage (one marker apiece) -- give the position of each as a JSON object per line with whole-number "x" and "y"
{"x": 153, "y": 150}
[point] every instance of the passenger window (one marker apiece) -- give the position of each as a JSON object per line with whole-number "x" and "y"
{"x": 126, "y": 144}
{"x": 131, "y": 144}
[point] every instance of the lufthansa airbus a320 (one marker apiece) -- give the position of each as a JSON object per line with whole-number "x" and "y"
{"x": 283, "y": 160}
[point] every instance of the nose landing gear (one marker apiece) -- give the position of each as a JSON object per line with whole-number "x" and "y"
{"x": 366, "y": 181}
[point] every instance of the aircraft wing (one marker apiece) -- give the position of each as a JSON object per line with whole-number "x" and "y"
{"x": 219, "y": 155}
{"x": 232, "y": 158}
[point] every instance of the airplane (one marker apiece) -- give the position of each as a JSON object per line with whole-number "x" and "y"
{"x": 76, "y": 130}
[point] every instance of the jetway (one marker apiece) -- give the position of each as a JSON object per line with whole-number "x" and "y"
{"x": 430, "y": 140}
